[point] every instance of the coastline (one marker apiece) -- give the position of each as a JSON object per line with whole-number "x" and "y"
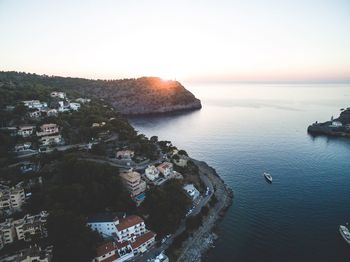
{"x": 202, "y": 239}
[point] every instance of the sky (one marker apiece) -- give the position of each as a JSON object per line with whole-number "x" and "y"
{"x": 193, "y": 40}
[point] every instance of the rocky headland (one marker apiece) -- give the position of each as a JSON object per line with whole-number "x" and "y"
{"x": 336, "y": 127}
{"x": 145, "y": 95}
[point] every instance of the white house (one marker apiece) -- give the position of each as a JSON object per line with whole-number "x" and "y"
{"x": 152, "y": 173}
{"x": 51, "y": 112}
{"x": 104, "y": 223}
{"x": 191, "y": 190}
{"x": 336, "y": 124}
{"x": 11, "y": 199}
{"x": 31, "y": 225}
{"x": 74, "y": 106}
{"x": 34, "y": 113}
{"x": 63, "y": 106}
{"x": 61, "y": 95}
{"x": 7, "y": 232}
{"x": 166, "y": 169}
{"x": 50, "y": 140}
{"x": 34, "y": 104}
{"x": 25, "y": 131}
{"x": 47, "y": 129}
{"x": 23, "y": 147}
{"x": 130, "y": 238}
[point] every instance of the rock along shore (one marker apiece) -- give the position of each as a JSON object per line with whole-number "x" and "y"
{"x": 202, "y": 239}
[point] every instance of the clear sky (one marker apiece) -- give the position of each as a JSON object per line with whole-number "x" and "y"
{"x": 194, "y": 40}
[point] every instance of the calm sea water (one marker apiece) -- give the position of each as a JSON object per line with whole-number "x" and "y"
{"x": 244, "y": 130}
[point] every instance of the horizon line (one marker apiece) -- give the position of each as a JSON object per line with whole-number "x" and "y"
{"x": 199, "y": 81}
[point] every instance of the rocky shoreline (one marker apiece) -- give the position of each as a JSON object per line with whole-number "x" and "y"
{"x": 203, "y": 238}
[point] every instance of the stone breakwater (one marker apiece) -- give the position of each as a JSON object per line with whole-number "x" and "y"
{"x": 202, "y": 239}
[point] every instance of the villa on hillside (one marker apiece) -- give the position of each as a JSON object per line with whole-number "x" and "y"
{"x": 133, "y": 182}
{"x": 11, "y": 199}
{"x": 60, "y": 95}
{"x": 166, "y": 169}
{"x": 125, "y": 154}
{"x": 130, "y": 238}
{"x": 50, "y": 140}
{"x": 152, "y": 173}
{"x": 47, "y": 129}
{"x": 34, "y": 104}
{"x": 25, "y": 131}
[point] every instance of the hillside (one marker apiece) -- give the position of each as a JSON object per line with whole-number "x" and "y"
{"x": 143, "y": 95}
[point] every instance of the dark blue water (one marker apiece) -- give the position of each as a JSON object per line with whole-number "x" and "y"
{"x": 244, "y": 130}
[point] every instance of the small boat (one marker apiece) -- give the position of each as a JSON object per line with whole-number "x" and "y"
{"x": 268, "y": 177}
{"x": 345, "y": 233}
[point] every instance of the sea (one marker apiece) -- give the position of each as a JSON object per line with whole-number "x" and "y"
{"x": 245, "y": 129}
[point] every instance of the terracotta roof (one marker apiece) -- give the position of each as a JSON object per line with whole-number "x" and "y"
{"x": 122, "y": 244}
{"x": 142, "y": 239}
{"x": 105, "y": 248}
{"x": 129, "y": 221}
{"x": 165, "y": 165}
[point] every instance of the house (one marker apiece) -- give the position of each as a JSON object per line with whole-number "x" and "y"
{"x": 192, "y": 191}
{"x": 30, "y": 226}
{"x": 50, "y": 140}
{"x": 166, "y": 169}
{"x": 133, "y": 182}
{"x": 34, "y": 113}
{"x": 47, "y": 129}
{"x": 74, "y": 106}
{"x": 143, "y": 242}
{"x": 336, "y": 124}
{"x": 113, "y": 251}
{"x": 23, "y": 147}
{"x": 52, "y": 112}
{"x": 98, "y": 124}
{"x": 152, "y": 173}
{"x": 7, "y": 232}
{"x": 104, "y": 223}
{"x": 34, "y": 104}
{"x": 63, "y": 106}
{"x": 125, "y": 154}
{"x": 27, "y": 166}
{"x": 25, "y": 131}
{"x": 130, "y": 238}
{"x": 33, "y": 253}
{"x": 83, "y": 100}
{"x": 56, "y": 94}
{"x": 11, "y": 199}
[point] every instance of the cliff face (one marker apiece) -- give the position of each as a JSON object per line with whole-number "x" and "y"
{"x": 143, "y": 95}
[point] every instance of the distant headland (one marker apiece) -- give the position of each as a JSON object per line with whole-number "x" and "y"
{"x": 335, "y": 127}
{"x": 135, "y": 96}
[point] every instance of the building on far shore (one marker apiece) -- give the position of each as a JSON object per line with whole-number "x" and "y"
{"x": 336, "y": 124}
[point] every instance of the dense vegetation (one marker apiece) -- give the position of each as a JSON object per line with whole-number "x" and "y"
{"x": 128, "y": 96}
{"x": 166, "y": 207}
